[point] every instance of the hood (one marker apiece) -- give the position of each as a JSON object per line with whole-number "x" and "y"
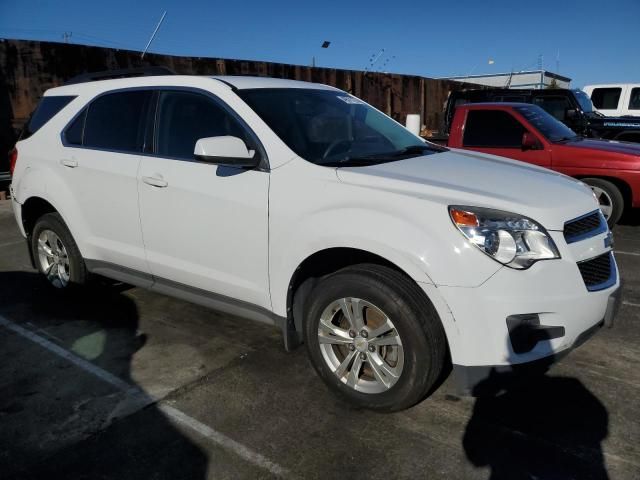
{"x": 459, "y": 177}
{"x": 612, "y": 146}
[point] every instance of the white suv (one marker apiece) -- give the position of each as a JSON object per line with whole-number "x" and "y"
{"x": 300, "y": 205}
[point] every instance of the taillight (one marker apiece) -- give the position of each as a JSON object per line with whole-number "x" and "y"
{"x": 13, "y": 158}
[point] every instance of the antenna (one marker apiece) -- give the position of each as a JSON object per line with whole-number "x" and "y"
{"x": 153, "y": 35}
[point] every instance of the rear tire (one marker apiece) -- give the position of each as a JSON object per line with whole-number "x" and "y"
{"x": 397, "y": 348}
{"x": 609, "y": 197}
{"x": 56, "y": 253}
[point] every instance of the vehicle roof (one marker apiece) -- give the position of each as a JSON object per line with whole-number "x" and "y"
{"x": 611, "y": 85}
{"x": 245, "y": 82}
{"x": 235, "y": 82}
{"x": 516, "y": 91}
{"x": 503, "y": 105}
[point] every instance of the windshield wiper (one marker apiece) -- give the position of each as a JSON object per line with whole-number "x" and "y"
{"x": 419, "y": 149}
{"x": 383, "y": 156}
{"x": 567, "y": 139}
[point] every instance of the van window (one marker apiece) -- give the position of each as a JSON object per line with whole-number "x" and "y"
{"x": 634, "y": 101}
{"x": 606, "y": 98}
{"x": 45, "y": 111}
{"x": 492, "y": 128}
{"x": 116, "y": 121}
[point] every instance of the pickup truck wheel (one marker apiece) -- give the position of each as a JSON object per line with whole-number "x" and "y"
{"x": 56, "y": 254}
{"x": 609, "y": 197}
{"x": 374, "y": 337}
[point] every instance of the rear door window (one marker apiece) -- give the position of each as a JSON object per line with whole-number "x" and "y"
{"x": 492, "y": 128}
{"x": 45, "y": 111}
{"x": 606, "y": 98}
{"x": 116, "y": 121}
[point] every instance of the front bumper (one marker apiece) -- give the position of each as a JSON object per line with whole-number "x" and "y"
{"x": 490, "y": 379}
{"x": 527, "y": 317}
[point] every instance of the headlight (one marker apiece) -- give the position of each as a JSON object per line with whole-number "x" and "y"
{"x": 511, "y": 239}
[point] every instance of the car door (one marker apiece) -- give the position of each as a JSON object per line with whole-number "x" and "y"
{"x": 498, "y": 132}
{"x": 204, "y": 226}
{"x": 100, "y": 165}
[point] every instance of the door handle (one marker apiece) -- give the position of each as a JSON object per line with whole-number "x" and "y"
{"x": 69, "y": 163}
{"x": 155, "y": 182}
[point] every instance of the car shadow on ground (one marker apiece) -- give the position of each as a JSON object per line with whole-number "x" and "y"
{"x": 630, "y": 217}
{"x": 527, "y": 424}
{"x": 101, "y": 325}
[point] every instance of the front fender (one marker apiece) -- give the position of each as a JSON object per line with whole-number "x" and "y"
{"x": 311, "y": 210}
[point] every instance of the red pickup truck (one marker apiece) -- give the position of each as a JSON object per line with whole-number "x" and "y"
{"x": 526, "y": 132}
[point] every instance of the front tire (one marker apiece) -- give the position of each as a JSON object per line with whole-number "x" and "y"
{"x": 56, "y": 253}
{"x": 609, "y": 197}
{"x": 374, "y": 338}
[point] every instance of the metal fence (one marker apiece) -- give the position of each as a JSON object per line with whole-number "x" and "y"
{"x": 28, "y": 68}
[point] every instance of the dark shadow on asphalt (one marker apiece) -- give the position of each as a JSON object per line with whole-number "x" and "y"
{"x": 528, "y": 425}
{"x": 630, "y": 217}
{"x": 141, "y": 445}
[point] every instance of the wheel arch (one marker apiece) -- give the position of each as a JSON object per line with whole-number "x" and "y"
{"x": 623, "y": 186}
{"x": 32, "y": 209}
{"x": 324, "y": 262}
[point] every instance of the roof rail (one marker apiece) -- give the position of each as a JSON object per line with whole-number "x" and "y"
{"x": 122, "y": 73}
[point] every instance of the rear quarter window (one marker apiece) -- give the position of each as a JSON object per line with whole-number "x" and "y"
{"x": 48, "y": 108}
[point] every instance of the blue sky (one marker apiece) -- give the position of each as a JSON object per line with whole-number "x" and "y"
{"x": 597, "y": 41}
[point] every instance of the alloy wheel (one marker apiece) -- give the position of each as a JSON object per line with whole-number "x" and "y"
{"x": 53, "y": 257}
{"x": 361, "y": 345}
{"x": 605, "y": 201}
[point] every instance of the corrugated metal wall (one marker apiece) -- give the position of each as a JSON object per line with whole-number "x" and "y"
{"x": 28, "y": 68}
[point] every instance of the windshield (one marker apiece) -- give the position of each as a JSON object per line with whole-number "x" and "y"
{"x": 552, "y": 129}
{"x": 584, "y": 101}
{"x": 333, "y": 128}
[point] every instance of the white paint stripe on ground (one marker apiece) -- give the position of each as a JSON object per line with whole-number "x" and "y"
{"x": 71, "y": 357}
{"x": 222, "y": 440}
{"x": 180, "y": 417}
{"x": 630, "y": 304}
{"x": 15, "y": 242}
{"x": 620, "y": 252}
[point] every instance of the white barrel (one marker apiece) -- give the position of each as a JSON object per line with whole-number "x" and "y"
{"x": 413, "y": 123}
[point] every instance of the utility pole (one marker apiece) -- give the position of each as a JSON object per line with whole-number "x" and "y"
{"x": 153, "y": 35}
{"x": 541, "y": 68}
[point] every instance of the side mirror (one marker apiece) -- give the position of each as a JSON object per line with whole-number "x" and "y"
{"x": 225, "y": 150}
{"x": 530, "y": 142}
{"x": 570, "y": 113}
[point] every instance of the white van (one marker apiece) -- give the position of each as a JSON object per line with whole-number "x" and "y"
{"x": 615, "y": 99}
